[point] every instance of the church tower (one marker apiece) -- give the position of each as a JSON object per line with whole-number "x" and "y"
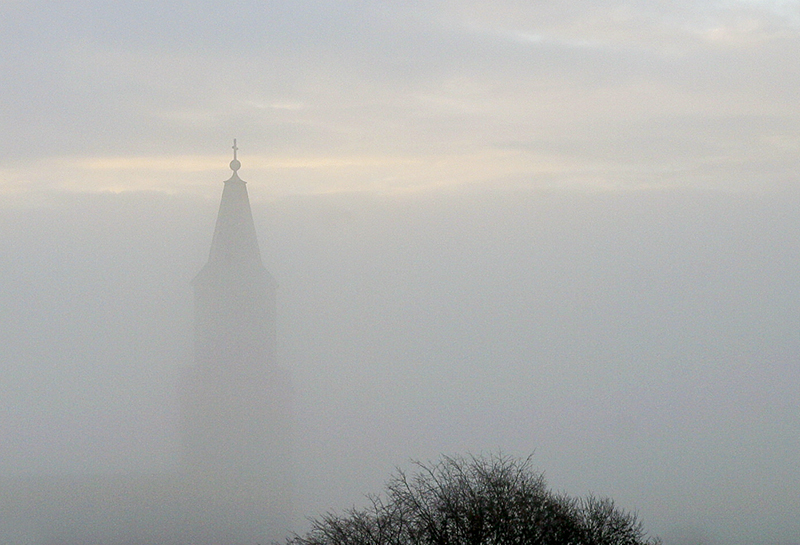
{"x": 236, "y": 400}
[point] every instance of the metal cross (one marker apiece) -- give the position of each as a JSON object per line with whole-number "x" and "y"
{"x": 235, "y": 149}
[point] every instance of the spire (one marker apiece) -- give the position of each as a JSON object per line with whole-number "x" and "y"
{"x": 235, "y": 242}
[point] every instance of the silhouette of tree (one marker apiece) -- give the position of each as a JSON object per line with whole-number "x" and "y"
{"x": 494, "y": 500}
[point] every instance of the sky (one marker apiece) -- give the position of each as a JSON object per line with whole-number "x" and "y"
{"x": 398, "y": 96}
{"x": 566, "y": 230}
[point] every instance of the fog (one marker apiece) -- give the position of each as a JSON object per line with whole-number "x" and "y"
{"x": 566, "y": 231}
{"x": 641, "y": 345}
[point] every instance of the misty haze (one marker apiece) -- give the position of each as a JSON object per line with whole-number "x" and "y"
{"x": 565, "y": 232}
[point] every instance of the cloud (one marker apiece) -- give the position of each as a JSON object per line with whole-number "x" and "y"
{"x": 628, "y": 91}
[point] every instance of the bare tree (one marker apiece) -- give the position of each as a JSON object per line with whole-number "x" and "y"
{"x": 495, "y": 500}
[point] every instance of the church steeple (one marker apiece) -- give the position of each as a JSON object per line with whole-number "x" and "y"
{"x": 235, "y": 242}
{"x": 236, "y": 399}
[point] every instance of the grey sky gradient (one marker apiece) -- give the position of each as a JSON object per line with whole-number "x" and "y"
{"x": 332, "y": 96}
{"x": 564, "y": 229}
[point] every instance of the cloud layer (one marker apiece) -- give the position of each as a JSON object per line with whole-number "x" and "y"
{"x": 354, "y": 95}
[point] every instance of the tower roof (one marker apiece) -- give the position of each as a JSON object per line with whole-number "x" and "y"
{"x": 235, "y": 244}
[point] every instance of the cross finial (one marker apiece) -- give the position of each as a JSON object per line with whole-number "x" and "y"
{"x": 235, "y": 164}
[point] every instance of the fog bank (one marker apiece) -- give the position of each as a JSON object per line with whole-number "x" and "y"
{"x": 643, "y": 344}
